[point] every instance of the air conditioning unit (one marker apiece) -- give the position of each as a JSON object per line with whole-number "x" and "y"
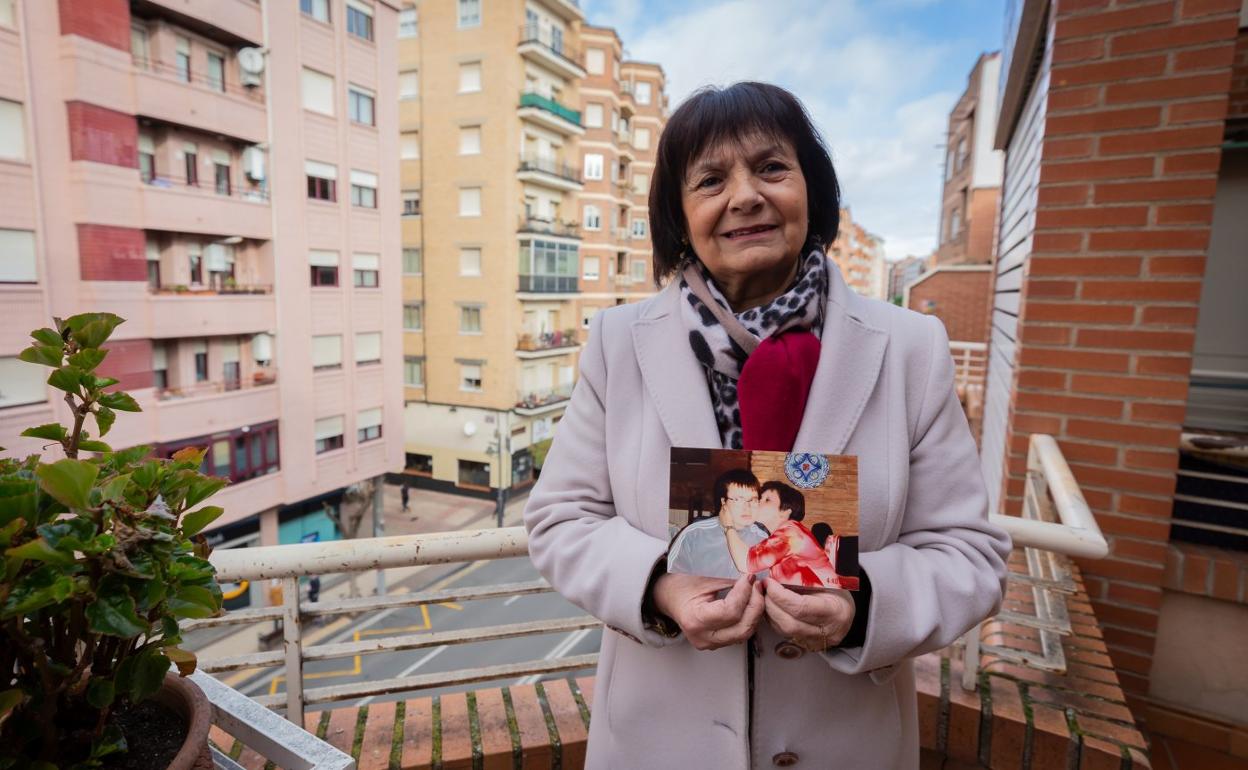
{"x": 253, "y": 163}
{"x": 250, "y": 66}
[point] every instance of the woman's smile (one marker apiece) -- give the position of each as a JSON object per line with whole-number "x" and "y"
{"x": 751, "y": 233}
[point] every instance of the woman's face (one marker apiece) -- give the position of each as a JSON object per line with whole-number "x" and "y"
{"x": 769, "y": 513}
{"x": 746, "y": 210}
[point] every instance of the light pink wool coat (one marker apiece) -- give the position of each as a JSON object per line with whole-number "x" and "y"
{"x": 597, "y": 521}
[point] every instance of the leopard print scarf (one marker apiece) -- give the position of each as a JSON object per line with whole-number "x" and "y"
{"x": 801, "y": 306}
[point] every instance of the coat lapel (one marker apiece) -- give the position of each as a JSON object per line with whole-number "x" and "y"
{"x": 673, "y": 376}
{"x": 850, "y": 358}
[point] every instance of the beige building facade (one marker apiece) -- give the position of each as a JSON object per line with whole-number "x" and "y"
{"x": 495, "y": 129}
{"x": 859, "y": 254}
{"x": 224, "y": 176}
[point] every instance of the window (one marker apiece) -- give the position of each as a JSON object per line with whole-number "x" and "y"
{"x": 469, "y": 13}
{"x": 326, "y": 352}
{"x": 139, "y": 50}
{"x": 590, "y": 268}
{"x": 195, "y": 261}
{"x": 639, "y": 270}
{"x": 641, "y": 184}
{"x": 419, "y": 464}
{"x": 470, "y": 201}
{"x": 641, "y": 138}
{"x": 221, "y": 172}
{"x": 591, "y": 217}
{"x": 18, "y": 262}
{"x": 593, "y": 165}
{"x": 470, "y": 77}
{"x": 469, "y": 319}
{"x": 190, "y": 158}
{"x": 318, "y": 92}
{"x": 147, "y": 158}
{"x": 183, "y": 58}
{"x": 324, "y": 267}
{"x": 12, "y": 130}
{"x": 409, "y": 145}
{"x": 641, "y": 92}
{"x": 470, "y": 261}
{"x": 239, "y": 455}
{"x": 199, "y": 351}
{"x": 408, "y": 23}
{"x": 367, "y": 348}
{"x": 317, "y": 9}
{"x": 160, "y": 366}
{"x": 470, "y": 377}
{"x": 231, "y": 374}
{"x": 322, "y": 180}
{"x": 411, "y": 203}
{"x": 961, "y": 153}
{"x": 21, "y": 382}
{"x": 587, "y": 315}
{"x": 639, "y": 228}
{"x": 412, "y": 262}
{"x": 368, "y": 425}
{"x": 216, "y": 71}
{"x": 363, "y": 189}
{"x": 955, "y": 224}
{"x": 409, "y": 84}
{"x": 414, "y": 371}
{"x": 367, "y": 269}
{"x": 359, "y": 20}
{"x": 328, "y": 434}
{"x": 413, "y": 316}
{"x": 470, "y": 140}
{"x": 595, "y": 61}
{"x": 153, "y": 264}
{"x": 474, "y": 474}
{"x": 593, "y": 115}
{"x": 360, "y": 106}
{"x": 615, "y": 120}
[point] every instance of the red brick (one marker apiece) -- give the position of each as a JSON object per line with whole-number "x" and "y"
{"x": 1088, "y": 216}
{"x": 494, "y": 730}
{"x": 1174, "y": 36}
{"x": 1032, "y": 423}
{"x": 1145, "y": 506}
{"x": 1064, "y": 194}
{"x": 1164, "y": 291}
{"x": 1077, "y": 266}
{"x": 1160, "y": 89}
{"x": 129, "y": 362}
{"x": 1084, "y": 170}
{"x": 1057, "y": 242}
{"x": 1051, "y": 289}
{"x": 1123, "y": 481}
{"x": 1096, "y": 754}
{"x": 104, "y": 21}
{"x": 1066, "y": 51}
{"x": 1196, "y": 573}
{"x": 1153, "y": 551}
{"x": 1175, "y": 390}
{"x": 107, "y": 253}
{"x": 1172, "y": 413}
{"x": 1215, "y": 57}
{"x": 1113, "y": 21}
{"x": 1185, "y": 189}
{"x": 1075, "y": 7}
{"x": 1149, "y": 240}
{"x": 418, "y": 733}
{"x": 531, "y": 724}
{"x": 341, "y": 731}
{"x": 1143, "y": 596}
{"x": 102, "y": 135}
{"x": 1032, "y": 334}
{"x": 1034, "y": 378}
{"x": 1047, "y": 402}
{"x": 1110, "y": 71}
{"x": 1078, "y": 147}
{"x": 1125, "y": 525}
{"x": 1073, "y": 98}
{"x": 1192, "y": 213}
{"x": 1225, "y": 580}
{"x": 1161, "y": 140}
{"x": 378, "y": 735}
{"x": 456, "y": 732}
{"x": 1080, "y": 452}
{"x": 1009, "y": 724}
{"x": 1135, "y": 340}
{"x": 568, "y": 721}
{"x": 1142, "y": 458}
{"x": 1193, "y": 8}
{"x": 1191, "y": 265}
{"x": 962, "y": 741}
{"x": 1072, "y": 359}
{"x": 1192, "y": 163}
{"x": 1170, "y": 315}
{"x": 927, "y": 685}
{"x": 1051, "y": 745}
{"x": 1078, "y": 312}
{"x": 1163, "y": 365}
{"x": 1130, "y": 434}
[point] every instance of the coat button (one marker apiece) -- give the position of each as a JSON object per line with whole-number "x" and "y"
{"x": 784, "y": 759}
{"x": 789, "y": 651}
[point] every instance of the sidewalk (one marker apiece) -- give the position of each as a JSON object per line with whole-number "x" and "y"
{"x": 428, "y": 512}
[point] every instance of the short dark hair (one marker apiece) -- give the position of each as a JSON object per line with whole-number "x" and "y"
{"x": 713, "y": 115}
{"x": 822, "y": 531}
{"x": 790, "y": 498}
{"x": 737, "y": 477}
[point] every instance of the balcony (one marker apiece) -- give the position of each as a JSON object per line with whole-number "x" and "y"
{"x": 199, "y": 314}
{"x": 545, "y": 344}
{"x": 541, "y": 47}
{"x": 261, "y": 378}
{"x": 550, "y": 172}
{"x": 170, "y": 204}
{"x": 206, "y": 407}
{"x": 549, "y": 227}
{"x": 237, "y": 19}
{"x": 548, "y": 113}
{"x": 535, "y": 402}
{"x": 547, "y": 284}
{"x": 568, "y": 10}
{"x": 229, "y": 110}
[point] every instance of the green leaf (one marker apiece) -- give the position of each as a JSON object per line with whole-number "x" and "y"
{"x": 90, "y": 330}
{"x": 190, "y": 570}
{"x": 38, "y": 588}
{"x": 112, "y": 612}
{"x": 110, "y": 742}
{"x": 185, "y": 661}
{"x": 87, "y": 359}
{"x": 40, "y": 550}
{"x": 9, "y": 530}
{"x": 94, "y": 446}
{"x": 68, "y": 481}
{"x": 141, "y": 674}
{"x": 69, "y": 535}
{"x": 19, "y": 498}
{"x": 104, "y": 418}
{"x": 194, "y": 522}
{"x": 202, "y": 488}
{"x": 9, "y": 700}
{"x": 191, "y": 454}
{"x": 44, "y": 355}
{"x": 116, "y": 487}
{"x": 195, "y": 602}
{"x": 99, "y": 383}
{"x": 67, "y": 378}
{"x": 100, "y": 692}
{"x": 146, "y": 474}
{"x": 52, "y": 430}
{"x": 121, "y": 401}
{"x": 48, "y": 336}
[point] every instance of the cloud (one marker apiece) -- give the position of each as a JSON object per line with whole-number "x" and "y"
{"x": 878, "y": 90}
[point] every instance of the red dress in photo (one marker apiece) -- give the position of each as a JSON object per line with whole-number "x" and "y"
{"x": 792, "y": 556}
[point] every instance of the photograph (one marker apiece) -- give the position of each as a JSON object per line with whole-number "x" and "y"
{"x": 791, "y": 517}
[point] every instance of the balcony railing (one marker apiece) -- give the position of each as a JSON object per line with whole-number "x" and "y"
{"x": 534, "y": 99}
{"x": 552, "y": 284}
{"x": 549, "y": 227}
{"x": 261, "y": 378}
{"x": 199, "y": 79}
{"x": 547, "y": 340}
{"x": 208, "y": 186}
{"x": 534, "y": 33}
{"x": 552, "y": 166}
{"x": 536, "y": 399}
{"x": 182, "y": 290}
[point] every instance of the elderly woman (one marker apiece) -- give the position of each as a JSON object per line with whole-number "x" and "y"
{"x": 757, "y": 342}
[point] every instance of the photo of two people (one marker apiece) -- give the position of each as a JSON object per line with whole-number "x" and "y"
{"x": 788, "y": 516}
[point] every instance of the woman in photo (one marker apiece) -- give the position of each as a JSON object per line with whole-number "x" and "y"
{"x": 756, "y": 342}
{"x": 790, "y": 554}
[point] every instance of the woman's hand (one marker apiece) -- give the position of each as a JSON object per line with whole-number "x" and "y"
{"x": 815, "y": 621}
{"x": 709, "y": 623}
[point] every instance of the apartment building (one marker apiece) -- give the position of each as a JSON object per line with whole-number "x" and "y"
{"x": 859, "y": 254}
{"x": 499, "y": 145}
{"x": 903, "y": 272}
{"x": 223, "y": 175}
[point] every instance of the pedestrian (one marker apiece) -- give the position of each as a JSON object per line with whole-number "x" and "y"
{"x": 314, "y": 588}
{"x": 404, "y": 496}
{"x": 744, "y": 203}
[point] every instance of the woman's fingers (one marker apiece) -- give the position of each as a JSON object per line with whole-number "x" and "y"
{"x": 728, "y": 611}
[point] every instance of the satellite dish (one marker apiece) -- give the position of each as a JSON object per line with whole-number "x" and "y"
{"x": 470, "y": 428}
{"x": 251, "y": 60}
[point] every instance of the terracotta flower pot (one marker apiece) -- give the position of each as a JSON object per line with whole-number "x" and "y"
{"x": 184, "y": 697}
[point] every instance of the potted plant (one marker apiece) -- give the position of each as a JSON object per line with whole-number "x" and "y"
{"x": 100, "y": 567}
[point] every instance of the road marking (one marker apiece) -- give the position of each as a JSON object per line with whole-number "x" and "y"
{"x": 511, "y": 601}
{"x": 559, "y": 651}
{"x": 423, "y": 660}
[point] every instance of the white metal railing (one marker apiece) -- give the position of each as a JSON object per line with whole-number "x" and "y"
{"x": 1050, "y": 491}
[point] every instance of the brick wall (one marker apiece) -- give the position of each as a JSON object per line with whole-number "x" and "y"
{"x": 1138, "y": 95}
{"x": 959, "y": 298}
{"x": 981, "y": 235}
{"x": 104, "y": 21}
{"x": 1239, "y": 78}
{"x": 102, "y": 135}
{"x": 130, "y": 361}
{"x": 107, "y": 253}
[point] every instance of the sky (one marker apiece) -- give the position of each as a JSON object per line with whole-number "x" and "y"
{"x": 878, "y": 76}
